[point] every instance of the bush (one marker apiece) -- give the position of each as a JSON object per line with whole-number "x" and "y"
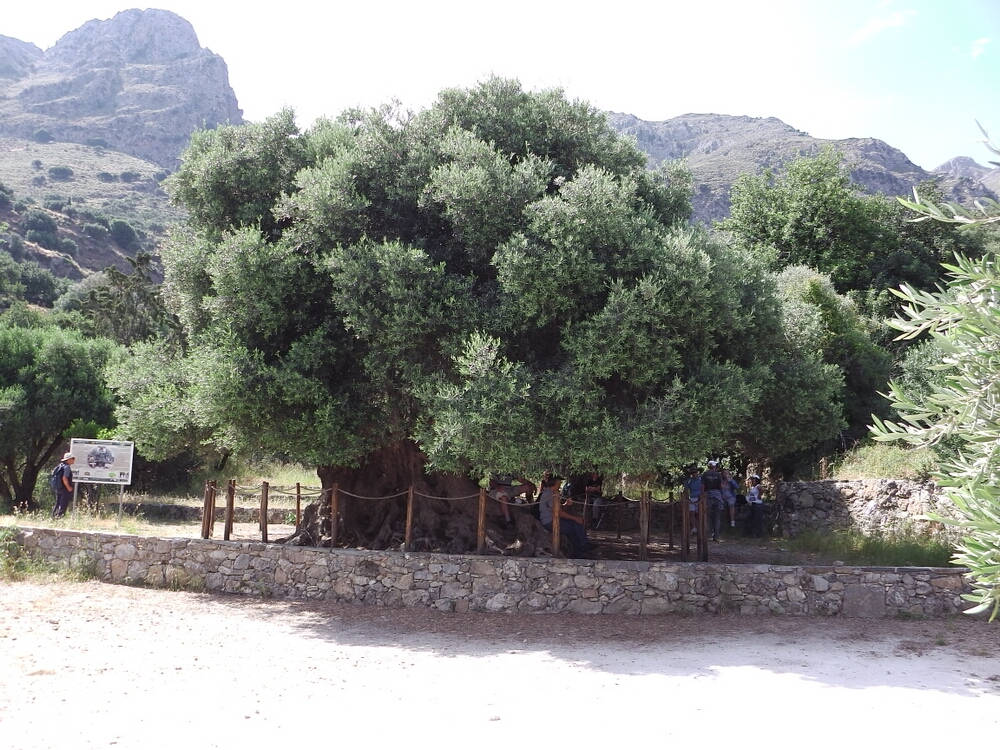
{"x": 45, "y": 239}
{"x": 36, "y": 163}
{"x": 42, "y": 136}
{"x": 107, "y": 177}
{"x": 60, "y": 174}
{"x": 13, "y": 244}
{"x": 41, "y": 287}
{"x": 97, "y": 143}
{"x": 39, "y": 181}
{"x": 69, "y": 246}
{"x": 880, "y": 461}
{"x": 123, "y": 234}
{"x": 96, "y": 231}
{"x": 54, "y": 205}
{"x": 40, "y": 221}
{"x": 130, "y": 176}
{"x": 87, "y": 215}
{"x": 6, "y": 196}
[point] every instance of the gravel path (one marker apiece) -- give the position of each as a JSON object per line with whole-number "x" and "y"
{"x": 93, "y": 665}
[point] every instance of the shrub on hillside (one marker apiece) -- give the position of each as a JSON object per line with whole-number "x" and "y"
{"x": 69, "y": 246}
{"x": 42, "y": 136}
{"x": 36, "y": 163}
{"x": 123, "y": 234}
{"x": 107, "y": 177}
{"x": 130, "y": 176}
{"x": 13, "y": 244}
{"x": 61, "y": 174}
{"x": 96, "y": 231}
{"x": 39, "y": 220}
{"x": 39, "y": 181}
{"x": 96, "y": 218}
{"x": 45, "y": 239}
{"x": 6, "y": 196}
{"x": 54, "y": 204}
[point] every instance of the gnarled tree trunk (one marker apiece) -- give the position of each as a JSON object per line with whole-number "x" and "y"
{"x": 439, "y": 525}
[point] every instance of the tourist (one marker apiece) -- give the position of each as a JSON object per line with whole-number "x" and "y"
{"x": 693, "y": 486}
{"x": 755, "y": 521}
{"x": 730, "y": 488}
{"x": 711, "y": 482}
{"x": 63, "y": 477}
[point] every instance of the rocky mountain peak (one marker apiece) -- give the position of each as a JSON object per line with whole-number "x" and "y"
{"x": 139, "y": 83}
{"x": 143, "y": 37}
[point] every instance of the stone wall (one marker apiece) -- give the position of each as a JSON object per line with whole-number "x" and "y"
{"x": 500, "y": 584}
{"x": 871, "y": 506}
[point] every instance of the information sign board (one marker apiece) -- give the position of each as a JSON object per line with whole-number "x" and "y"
{"x": 102, "y": 461}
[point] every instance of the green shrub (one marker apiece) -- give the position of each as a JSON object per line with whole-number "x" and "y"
{"x": 13, "y": 244}
{"x": 42, "y": 136}
{"x": 107, "y": 177}
{"x": 97, "y": 218}
{"x": 54, "y": 205}
{"x": 96, "y": 231}
{"x": 69, "y": 246}
{"x": 36, "y": 164}
{"x": 97, "y": 143}
{"x": 39, "y": 220}
{"x": 39, "y": 181}
{"x": 6, "y": 196}
{"x": 891, "y": 550}
{"x": 60, "y": 174}
{"x": 123, "y": 234}
{"x": 45, "y": 239}
{"x": 20, "y": 206}
{"x": 882, "y": 461}
{"x": 130, "y": 176}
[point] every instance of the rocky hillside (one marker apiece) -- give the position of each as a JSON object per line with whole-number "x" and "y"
{"x": 138, "y": 83}
{"x": 719, "y": 148}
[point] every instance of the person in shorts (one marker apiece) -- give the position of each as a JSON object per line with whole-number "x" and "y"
{"x": 693, "y": 486}
{"x": 711, "y": 482}
{"x": 730, "y": 488}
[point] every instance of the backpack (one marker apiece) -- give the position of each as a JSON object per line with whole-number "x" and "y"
{"x": 55, "y": 479}
{"x": 712, "y": 480}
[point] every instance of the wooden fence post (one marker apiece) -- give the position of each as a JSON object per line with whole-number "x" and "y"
{"x": 644, "y": 526}
{"x": 211, "y": 511}
{"x": 408, "y": 539}
{"x": 556, "y": 506}
{"x": 703, "y": 528}
{"x": 670, "y": 519}
{"x": 685, "y": 526}
{"x": 481, "y": 523}
{"x": 227, "y": 526}
{"x": 298, "y": 505}
{"x": 334, "y": 514}
{"x": 230, "y": 508}
{"x": 265, "y": 489}
{"x": 205, "y": 505}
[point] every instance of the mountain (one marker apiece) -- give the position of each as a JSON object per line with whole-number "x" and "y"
{"x": 720, "y": 148}
{"x": 138, "y": 83}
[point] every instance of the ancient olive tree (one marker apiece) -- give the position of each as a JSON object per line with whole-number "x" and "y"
{"x": 494, "y": 284}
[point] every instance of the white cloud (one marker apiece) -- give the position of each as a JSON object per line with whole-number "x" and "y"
{"x": 878, "y": 24}
{"x": 979, "y": 47}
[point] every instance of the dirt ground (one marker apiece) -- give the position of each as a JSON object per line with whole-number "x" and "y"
{"x": 92, "y": 665}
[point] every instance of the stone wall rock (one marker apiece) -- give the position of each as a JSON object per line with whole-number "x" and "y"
{"x": 463, "y": 583}
{"x": 871, "y": 506}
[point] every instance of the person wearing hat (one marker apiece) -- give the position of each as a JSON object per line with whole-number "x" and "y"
{"x": 64, "y": 486}
{"x": 755, "y": 523}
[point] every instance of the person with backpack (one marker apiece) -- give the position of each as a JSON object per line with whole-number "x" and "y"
{"x": 61, "y": 482}
{"x": 730, "y": 489}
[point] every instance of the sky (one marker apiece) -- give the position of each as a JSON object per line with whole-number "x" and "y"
{"x": 917, "y": 74}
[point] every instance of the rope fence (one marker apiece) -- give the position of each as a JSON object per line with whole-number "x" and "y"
{"x": 616, "y": 507}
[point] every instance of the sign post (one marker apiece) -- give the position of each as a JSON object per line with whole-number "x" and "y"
{"x": 102, "y": 462}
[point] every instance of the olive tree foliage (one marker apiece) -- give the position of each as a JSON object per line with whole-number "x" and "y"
{"x": 50, "y": 379}
{"x": 961, "y": 405}
{"x": 497, "y": 278}
{"x": 812, "y": 215}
